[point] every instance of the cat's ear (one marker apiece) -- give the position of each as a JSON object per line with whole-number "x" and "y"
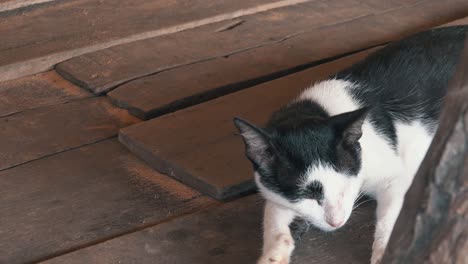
{"x": 258, "y": 148}
{"x": 349, "y": 125}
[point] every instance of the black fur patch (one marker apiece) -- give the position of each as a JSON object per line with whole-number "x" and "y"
{"x": 315, "y": 191}
{"x": 303, "y": 136}
{"x": 407, "y": 80}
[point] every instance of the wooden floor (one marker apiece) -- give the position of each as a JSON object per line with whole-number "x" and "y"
{"x": 116, "y": 135}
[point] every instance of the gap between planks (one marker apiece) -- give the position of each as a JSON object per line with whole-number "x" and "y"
{"x": 44, "y": 63}
{"x": 101, "y": 240}
{"x": 59, "y": 152}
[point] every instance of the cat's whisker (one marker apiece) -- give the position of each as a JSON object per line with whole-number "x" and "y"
{"x": 360, "y": 195}
{"x": 361, "y": 203}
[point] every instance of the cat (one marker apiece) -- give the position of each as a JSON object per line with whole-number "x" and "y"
{"x": 365, "y": 130}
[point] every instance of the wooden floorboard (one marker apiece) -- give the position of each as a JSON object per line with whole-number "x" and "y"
{"x": 228, "y": 234}
{"x": 335, "y": 21}
{"x": 177, "y": 88}
{"x": 200, "y": 146}
{"x": 35, "y": 40}
{"x": 37, "y": 91}
{"x": 82, "y": 197}
{"x": 44, "y": 131}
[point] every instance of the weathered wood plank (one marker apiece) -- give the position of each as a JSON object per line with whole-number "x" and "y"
{"x": 228, "y": 234}
{"x": 326, "y": 24}
{"x": 37, "y": 91}
{"x": 177, "y": 88}
{"x": 199, "y": 145}
{"x": 36, "y": 40}
{"x": 181, "y": 87}
{"x": 433, "y": 224}
{"x": 82, "y": 197}
{"x": 47, "y": 130}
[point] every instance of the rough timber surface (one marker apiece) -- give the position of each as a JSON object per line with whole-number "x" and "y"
{"x": 37, "y": 91}
{"x": 36, "y": 39}
{"x": 48, "y": 130}
{"x": 200, "y": 146}
{"x": 228, "y": 234}
{"x": 329, "y": 27}
{"x": 82, "y": 197}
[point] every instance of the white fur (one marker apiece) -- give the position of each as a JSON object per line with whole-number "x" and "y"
{"x": 278, "y": 242}
{"x": 339, "y": 193}
{"x": 386, "y": 174}
{"x": 332, "y": 96}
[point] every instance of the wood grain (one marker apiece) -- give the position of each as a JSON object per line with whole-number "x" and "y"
{"x": 37, "y": 91}
{"x": 82, "y": 197}
{"x": 48, "y": 130}
{"x": 35, "y": 40}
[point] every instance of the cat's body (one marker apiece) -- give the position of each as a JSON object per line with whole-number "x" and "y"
{"x": 366, "y": 130}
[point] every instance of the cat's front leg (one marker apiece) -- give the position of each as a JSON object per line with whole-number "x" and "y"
{"x": 389, "y": 203}
{"x": 278, "y": 243}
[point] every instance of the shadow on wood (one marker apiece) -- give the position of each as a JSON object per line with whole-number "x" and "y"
{"x": 433, "y": 224}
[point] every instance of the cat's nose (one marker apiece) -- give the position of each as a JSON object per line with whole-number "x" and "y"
{"x": 335, "y": 222}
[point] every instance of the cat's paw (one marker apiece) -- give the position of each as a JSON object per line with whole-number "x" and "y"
{"x": 280, "y": 252}
{"x": 378, "y": 250}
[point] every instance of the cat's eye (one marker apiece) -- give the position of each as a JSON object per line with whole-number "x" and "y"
{"x": 315, "y": 191}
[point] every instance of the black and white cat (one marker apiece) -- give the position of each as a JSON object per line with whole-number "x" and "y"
{"x": 364, "y": 131}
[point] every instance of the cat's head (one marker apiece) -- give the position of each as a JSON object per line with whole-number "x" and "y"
{"x": 311, "y": 167}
